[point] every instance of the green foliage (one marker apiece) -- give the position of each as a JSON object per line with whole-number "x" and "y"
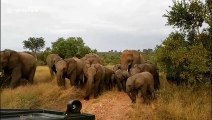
{"x": 186, "y": 14}
{"x": 34, "y": 44}
{"x": 70, "y": 47}
{"x": 181, "y": 62}
{"x": 186, "y": 55}
{"x": 110, "y": 57}
{"x": 42, "y": 56}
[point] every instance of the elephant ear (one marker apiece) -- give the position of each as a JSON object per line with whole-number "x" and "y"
{"x": 14, "y": 59}
{"x": 85, "y": 68}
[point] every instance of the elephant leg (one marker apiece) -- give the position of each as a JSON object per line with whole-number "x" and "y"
{"x": 31, "y": 75}
{"x": 152, "y": 92}
{"x": 63, "y": 82}
{"x": 144, "y": 94}
{"x": 80, "y": 78}
{"x": 23, "y": 81}
{"x": 98, "y": 88}
{"x": 73, "y": 79}
{"x": 132, "y": 95}
{"x": 83, "y": 81}
{"x": 119, "y": 85}
{"x": 156, "y": 81}
{"x": 51, "y": 72}
{"x": 124, "y": 85}
{"x": 16, "y": 76}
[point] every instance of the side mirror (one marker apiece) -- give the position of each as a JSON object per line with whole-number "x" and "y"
{"x": 74, "y": 107}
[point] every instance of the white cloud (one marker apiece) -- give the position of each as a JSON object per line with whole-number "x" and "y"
{"x": 103, "y": 24}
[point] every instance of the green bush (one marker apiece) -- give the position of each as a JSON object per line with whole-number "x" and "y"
{"x": 181, "y": 62}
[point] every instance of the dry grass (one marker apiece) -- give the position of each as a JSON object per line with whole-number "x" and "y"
{"x": 173, "y": 103}
{"x": 176, "y": 103}
{"x": 44, "y": 94}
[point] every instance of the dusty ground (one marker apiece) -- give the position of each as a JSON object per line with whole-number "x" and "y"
{"x": 116, "y": 107}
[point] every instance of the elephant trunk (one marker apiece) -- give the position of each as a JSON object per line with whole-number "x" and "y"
{"x": 60, "y": 79}
{"x": 89, "y": 87}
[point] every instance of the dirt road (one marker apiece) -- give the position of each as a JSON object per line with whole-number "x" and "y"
{"x": 110, "y": 106}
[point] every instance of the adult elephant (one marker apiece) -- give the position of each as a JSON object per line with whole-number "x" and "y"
{"x": 109, "y": 79}
{"x": 147, "y": 67}
{"x": 143, "y": 82}
{"x": 51, "y": 59}
{"x": 121, "y": 78}
{"x": 95, "y": 75}
{"x": 75, "y": 71}
{"x": 19, "y": 65}
{"x": 129, "y": 58}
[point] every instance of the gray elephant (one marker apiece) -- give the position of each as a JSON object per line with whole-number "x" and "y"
{"x": 147, "y": 67}
{"x": 19, "y": 65}
{"x": 142, "y": 82}
{"x": 121, "y": 78}
{"x": 129, "y": 58}
{"x": 75, "y": 71}
{"x": 51, "y": 59}
{"x": 95, "y": 75}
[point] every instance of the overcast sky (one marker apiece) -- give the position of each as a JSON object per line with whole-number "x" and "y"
{"x": 103, "y": 24}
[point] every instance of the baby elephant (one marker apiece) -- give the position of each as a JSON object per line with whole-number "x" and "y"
{"x": 142, "y": 82}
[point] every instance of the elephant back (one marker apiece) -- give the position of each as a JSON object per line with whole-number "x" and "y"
{"x": 92, "y": 59}
{"x": 28, "y": 61}
{"x": 147, "y": 67}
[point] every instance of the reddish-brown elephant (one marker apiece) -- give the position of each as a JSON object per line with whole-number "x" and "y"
{"x": 129, "y": 58}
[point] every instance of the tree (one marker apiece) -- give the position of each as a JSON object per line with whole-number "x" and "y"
{"x": 70, "y": 47}
{"x": 186, "y": 55}
{"x": 34, "y": 44}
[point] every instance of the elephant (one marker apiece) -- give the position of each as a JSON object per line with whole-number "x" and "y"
{"x": 18, "y": 65}
{"x": 129, "y": 58}
{"x": 121, "y": 78}
{"x": 116, "y": 67}
{"x": 92, "y": 59}
{"x": 148, "y": 67}
{"x": 141, "y": 82}
{"x": 109, "y": 79}
{"x": 61, "y": 72}
{"x": 51, "y": 59}
{"x": 75, "y": 71}
{"x": 95, "y": 75}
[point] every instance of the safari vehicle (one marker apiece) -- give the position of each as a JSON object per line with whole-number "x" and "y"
{"x": 72, "y": 113}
